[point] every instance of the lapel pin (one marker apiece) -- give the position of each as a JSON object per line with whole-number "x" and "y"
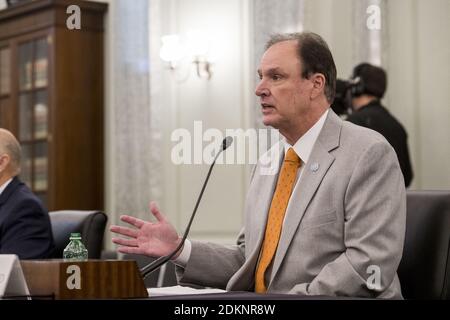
{"x": 314, "y": 167}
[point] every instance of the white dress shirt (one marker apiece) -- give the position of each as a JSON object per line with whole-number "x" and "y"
{"x": 302, "y": 148}
{"x": 3, "y": 186}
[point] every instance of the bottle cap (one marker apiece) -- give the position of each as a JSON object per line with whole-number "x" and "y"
{"x": 75, "y": 235}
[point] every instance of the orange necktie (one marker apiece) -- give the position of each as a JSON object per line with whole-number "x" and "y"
{"x": 277, "y": 210}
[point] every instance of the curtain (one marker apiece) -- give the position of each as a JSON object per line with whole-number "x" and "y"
{"x": 133, "y": 151}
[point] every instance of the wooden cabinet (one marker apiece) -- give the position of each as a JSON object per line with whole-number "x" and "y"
{"x": 51, "y": 98}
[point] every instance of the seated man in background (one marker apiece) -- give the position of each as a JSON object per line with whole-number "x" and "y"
{"x": 25, "y": 227}
{"x": 368, "y": 112}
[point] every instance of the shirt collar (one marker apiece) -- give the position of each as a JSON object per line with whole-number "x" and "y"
{"x": 304, "y": 145}
{"x": 3, "y": 186}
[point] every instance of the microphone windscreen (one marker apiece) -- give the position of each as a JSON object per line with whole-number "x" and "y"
{"x": 227, "y": 142}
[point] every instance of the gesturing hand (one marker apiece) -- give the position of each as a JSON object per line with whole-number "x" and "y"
{"x": 152, "y": 239}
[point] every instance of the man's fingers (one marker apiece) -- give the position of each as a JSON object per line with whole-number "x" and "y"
{"x": 132, "y": 220}
{"x": 125, "y": 242}
{"x": 155, "y": 211}
{"x": 132, "y": 250}
{"x": 124, "y": 231}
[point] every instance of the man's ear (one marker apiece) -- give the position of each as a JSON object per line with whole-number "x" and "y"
{"x": 318, "y": 81}
{"x": 5, "y": 159}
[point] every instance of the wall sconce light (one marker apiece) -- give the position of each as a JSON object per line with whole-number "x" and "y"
{"x": 196, "y": 50}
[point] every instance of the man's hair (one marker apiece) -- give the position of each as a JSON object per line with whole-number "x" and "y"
{"x": 10, "y": 146}
{"x": 374, "y": 79}
{"x": 314, "y": 55}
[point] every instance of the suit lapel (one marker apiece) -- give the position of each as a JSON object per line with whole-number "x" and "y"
{"x": 9, "y": 190}
{"x": 310, "y": 180}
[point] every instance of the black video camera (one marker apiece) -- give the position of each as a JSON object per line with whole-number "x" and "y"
{"x": 345, "y": 89}
{"x": 342, "y": 99}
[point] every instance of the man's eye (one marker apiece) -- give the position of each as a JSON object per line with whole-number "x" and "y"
{"x": 276, "y": 77}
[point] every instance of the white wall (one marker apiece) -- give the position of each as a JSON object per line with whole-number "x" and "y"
{"x": 333, "y": 21}
{"x": 419, "y": 85}
{"x": 221, "y": 102}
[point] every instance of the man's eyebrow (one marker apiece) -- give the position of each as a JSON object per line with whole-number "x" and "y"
{"x": 271, "y": 71}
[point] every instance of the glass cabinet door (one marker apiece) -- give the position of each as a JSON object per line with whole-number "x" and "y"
{"x": 25, "y": 65}
{"x": 33, "y": 114}
{"x": 40, "y": 115}
{"x": 5, "y": 87}
{"x": 40, "y": 64}
{"x": 26, "y": 162}
{"x": 5, "y": 71}
{"x": 25, "y": 116}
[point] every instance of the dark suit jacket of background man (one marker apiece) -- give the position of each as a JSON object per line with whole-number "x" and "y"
{"x": 25, "y": 227}
{"x": 374, "y": 116}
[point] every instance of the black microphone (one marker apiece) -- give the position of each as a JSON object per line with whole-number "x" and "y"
{"x": 145, "y": 271}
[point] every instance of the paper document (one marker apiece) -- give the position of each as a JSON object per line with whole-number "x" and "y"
{"x": 175, "y": 290}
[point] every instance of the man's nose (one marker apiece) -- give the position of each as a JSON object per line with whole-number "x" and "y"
{"x": 261, "y": 89}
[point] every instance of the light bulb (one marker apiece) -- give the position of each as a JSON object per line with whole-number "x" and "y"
{"x": 171, "y": 49}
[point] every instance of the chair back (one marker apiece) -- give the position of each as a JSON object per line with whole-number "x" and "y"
{"x": 91, "y": 225}
{"x": 424, "y": 270}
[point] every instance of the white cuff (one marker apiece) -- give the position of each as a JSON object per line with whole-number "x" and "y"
{"x": 185, "y": 254}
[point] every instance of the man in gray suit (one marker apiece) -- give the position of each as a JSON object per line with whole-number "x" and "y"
{"x": 338, "y": 215}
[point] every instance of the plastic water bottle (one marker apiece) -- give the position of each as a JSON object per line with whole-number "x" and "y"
{"x": 75, "y": 250}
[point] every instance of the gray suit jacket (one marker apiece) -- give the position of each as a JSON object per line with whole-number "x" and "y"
{"x": 343, "y": 231}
